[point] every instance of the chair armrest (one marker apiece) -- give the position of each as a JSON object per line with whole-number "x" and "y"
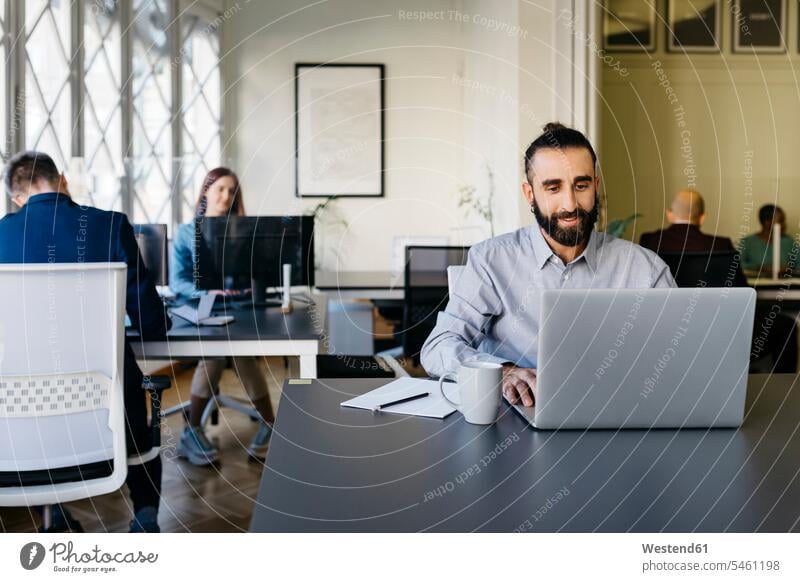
{"x": 156, "y": 383}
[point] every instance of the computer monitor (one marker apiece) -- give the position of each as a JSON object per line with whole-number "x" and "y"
{"x": 240, "y": 252}
{"x": 152, "y": 240}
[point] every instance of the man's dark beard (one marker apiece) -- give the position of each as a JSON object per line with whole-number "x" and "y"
{"x": 573, "y": 236}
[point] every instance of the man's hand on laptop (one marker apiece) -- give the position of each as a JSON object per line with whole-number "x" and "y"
{"x": 519, "y": 384}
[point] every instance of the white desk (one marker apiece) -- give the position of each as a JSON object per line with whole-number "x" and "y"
{"x": 770, "y": 282}
{"x": 780, "y": 289}
{"x": 254, "y": 332}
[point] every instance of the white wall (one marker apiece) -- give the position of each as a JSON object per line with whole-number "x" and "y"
{"x": 731, "y": 131}
{"x": 459, "y": 91}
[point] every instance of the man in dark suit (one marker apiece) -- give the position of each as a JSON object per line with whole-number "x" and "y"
{"x": 50, "y": 226}
{"x": 686, "y": 215}
{"x": 774, "y": 335}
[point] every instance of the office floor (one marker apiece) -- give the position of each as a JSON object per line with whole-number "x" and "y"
{"x": 194, "y": 499}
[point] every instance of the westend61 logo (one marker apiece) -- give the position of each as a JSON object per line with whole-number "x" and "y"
{"x": 66, "y": 559}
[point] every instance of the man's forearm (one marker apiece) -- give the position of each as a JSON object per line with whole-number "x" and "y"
{"x": 444, "y": 355}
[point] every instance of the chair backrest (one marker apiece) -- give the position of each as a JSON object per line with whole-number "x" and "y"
{"x": 426, "y": 291}
{"x": 453, "y": 273}
{"x": 705, "y": 268}
{"x": 62, "y": 420}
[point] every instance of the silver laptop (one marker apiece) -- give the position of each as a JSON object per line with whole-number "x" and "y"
{"x": 650, "y": 358}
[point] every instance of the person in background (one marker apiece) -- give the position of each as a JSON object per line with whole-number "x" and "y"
{"x": 686, "y": 215}
{"x": 46, "y": 229}
{"x": 774, "y": 332}
{"x": 756, "y": 249}
{"x": 220, "y": 196}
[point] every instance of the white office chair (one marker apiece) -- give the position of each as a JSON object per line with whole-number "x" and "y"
{"x": 453, "y": 273}
{"x": 62, "y": 421}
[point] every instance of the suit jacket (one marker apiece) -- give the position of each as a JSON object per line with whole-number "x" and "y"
{"x": 53, "y": 227}
{"x": 684, "y": 238}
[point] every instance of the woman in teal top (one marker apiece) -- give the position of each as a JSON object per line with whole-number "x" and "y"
{"x": 756, "y": 249}
{"x": 220, "y": 195}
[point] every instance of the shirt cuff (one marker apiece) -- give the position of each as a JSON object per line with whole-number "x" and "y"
{"x": 484, "y": 357}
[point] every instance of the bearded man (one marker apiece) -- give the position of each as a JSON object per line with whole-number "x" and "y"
{"x": 493, "y": 313}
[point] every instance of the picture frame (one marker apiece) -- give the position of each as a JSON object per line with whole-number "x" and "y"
{"x": 629, "y": 26}
{"x": 694, "y": 26}
{"x": 759, "y": 26}
{"x": 339, "y": 130}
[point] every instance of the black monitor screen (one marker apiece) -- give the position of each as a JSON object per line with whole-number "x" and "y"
{"x": 152, "y": 241}
{"x": 233, "y": 252}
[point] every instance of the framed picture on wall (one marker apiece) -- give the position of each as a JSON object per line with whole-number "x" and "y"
{"x": 693, "y": 25}
{"x": 629, "y": 25}
{"x": 759, "y": 26}
{"x": 339, "y": 129}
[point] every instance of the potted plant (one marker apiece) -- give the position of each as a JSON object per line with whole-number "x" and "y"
{"x": 326, "y": 215}
{"x": 473, "y": 203}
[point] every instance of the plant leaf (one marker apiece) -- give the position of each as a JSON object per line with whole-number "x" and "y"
{"x": 618, "y": 226}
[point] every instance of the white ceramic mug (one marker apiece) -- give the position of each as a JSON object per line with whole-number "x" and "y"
{"x": 480, "y": 386}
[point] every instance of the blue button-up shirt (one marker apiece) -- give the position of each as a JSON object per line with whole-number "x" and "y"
{"x": 182, "y": 270}
{"x": 493, "y": 312}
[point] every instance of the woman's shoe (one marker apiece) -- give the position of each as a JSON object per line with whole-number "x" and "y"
{"x": 195, "y": 447}
{"x": 260, "y": 443}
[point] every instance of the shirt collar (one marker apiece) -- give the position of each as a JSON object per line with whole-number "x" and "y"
{"x": 543, "y": 252}
{"x": 46, "y": 197}
{"x": 590, "y": 252}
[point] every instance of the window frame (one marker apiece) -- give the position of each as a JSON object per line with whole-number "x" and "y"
{"x": 216, "y": 18}
{"x": 14, "y": 138}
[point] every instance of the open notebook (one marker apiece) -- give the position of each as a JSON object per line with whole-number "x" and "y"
{"x": 432, "y": 406}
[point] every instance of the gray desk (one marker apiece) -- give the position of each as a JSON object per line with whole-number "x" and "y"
{"x": 372, "y": 284}
{"x": 254, "y": 332}
{"x": 335, "y": 469}
{"x": 359, "y": 284}
{"x": 385, "y": 285}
